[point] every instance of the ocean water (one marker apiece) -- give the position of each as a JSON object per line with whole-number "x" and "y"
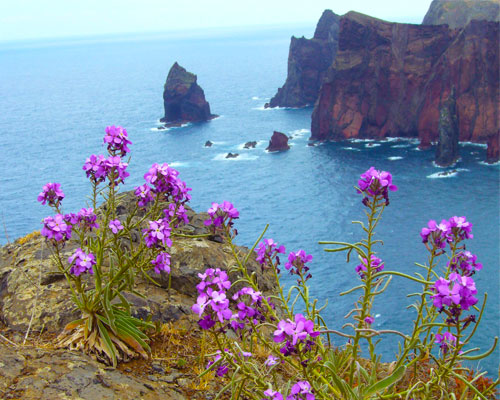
{"x": 58, "y": 96}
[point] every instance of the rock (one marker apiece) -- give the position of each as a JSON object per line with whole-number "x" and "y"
{"x": 308, "y": 61}
{"x": 50, "y": 305}
{"x": 250, "y": 145}
{"x": 458, "y": 13}
{"x": 183, "y": 99}
{"x": 493, "y": 151}
{"x": 162, "y": 128}
{"x": 232, "y": 155}
{"x": 390, "y": 79}
{"x": 208, "y": 143}
{"x": 278, "y": 142}
{"x": 447, "y": 148}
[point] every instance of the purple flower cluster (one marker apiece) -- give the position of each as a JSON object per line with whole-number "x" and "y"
{"x": 374, "y": 183}
{"x": 267, "y": 251}
{"x": 465, "y": 262}
{"x": 162, "y": 262}
{"x": 98, "y": 168}
{"x": 294, "y": 333}
{"x": 117, "y": 139}
{"x": 86, "y": 219}
{"x": 221, "y": 214}
{"x": 158, "y": 234}
{"x": 300, "y": 391}
{"x": 212, "y": 300}
{"x": 455, "y": 229}
{"x": 247, "y": 315}
{"x": 454, "y": 292}
{"x": 52, "y": 194}
{"x": 222, "y": 369}
{"x": 164, "y": 180}
{"x": 115, "y": 226}
{"x": 376, "y": 265}
{"x": 177, "y": 212}
{"x": 56, "y": 228}
{"x": 83, "y": 262}
{"x": 144, "y": 195}
{"x": 297, "y": 263}
{"x": 445, "y": 340}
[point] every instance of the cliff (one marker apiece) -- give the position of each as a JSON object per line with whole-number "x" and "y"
{"x": 183, "y": 99}
{"x": 447, "y": 148}
{"x": 308, "y": 61}
{"x": 458, "y": 13}
{"x": 390, "y": 79}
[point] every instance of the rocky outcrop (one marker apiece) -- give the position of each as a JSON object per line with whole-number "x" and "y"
{"x": 32, "y": 289}
{"x": 447, "y": 148}
{"x": 183, "y": 99}
{"x": 278, "y": 142}
{"x": 493, "y": 151}
{"x": 308, "y": 61}
{"x": 250, "y": 145}
{"x": 458, "y": 13}
{"x": 391, "y": 79}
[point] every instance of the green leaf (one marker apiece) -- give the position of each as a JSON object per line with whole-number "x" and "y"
{"x": 110, "y": 348}
{"x": 386, "y": 382}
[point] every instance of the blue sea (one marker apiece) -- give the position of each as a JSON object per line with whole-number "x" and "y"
{"x": 59, "y": 95}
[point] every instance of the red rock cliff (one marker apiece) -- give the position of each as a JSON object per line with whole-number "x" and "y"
{"x": 389, "y": 79}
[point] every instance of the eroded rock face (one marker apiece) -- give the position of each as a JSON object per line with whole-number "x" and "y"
{"x": 183, "y": 99}
{"x": 308, "y": 61}
{"x": 278, "y": 142}
{"x": 391, "y": 79}
{"x": 447, "y": 148}
{"x": 458, "y": 13}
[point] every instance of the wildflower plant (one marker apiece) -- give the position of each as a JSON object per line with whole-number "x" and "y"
{"x": 278, "y": 347}
{"x": 108, "y": 259}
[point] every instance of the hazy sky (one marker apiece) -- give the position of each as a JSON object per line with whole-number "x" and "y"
{"x": 30, "y": 19}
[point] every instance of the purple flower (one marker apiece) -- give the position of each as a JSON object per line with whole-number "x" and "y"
{"x": 178, "y": 212}
{"x": 158, "y": 234}
{"x": 144, "y": 195}
{"x": 375, "y": 183}
{"x": 457, "y": 291}
{"x": 87, "y": 219}
{"x": 56, "y": 228}
{"x": 117, "y": 139}
{"x": 116, "y": 169}
{"x": 460, "y": 228}
{"x": 445, "y": 340}
{"x": 96, "y": 168}
{"x": 268, "y": 250}
{"x": 52, "y": 194}
{"x": 115, "y": 226}
{"x": 221, "y": 214}
{"x": 436, "y": 235}
{"x": 369, "y": 320}
{"x": 465, "y": 262}
{"x": 301, "y": 390}
{"x": 297, "y": 263}
{"x": 162, "y": 263}
{"x": 271, "y": 360}
{"x": 297, "y": 331}
{"x": 376, "y": 265}
{"x": 273, "y": 395}
{"x": 83, "y": 262}
{"x": 166, "y": 182}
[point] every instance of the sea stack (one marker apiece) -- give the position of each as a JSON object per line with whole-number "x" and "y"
{"x": 183, "y": 99}
{"x": 447, "y": 148}
{"x": 278, "y": 142}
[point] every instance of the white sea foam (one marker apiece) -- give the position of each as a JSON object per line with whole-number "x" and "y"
{"x": 369, "y": 145}
{"x": 351, "y": 148}
{"x": 495, "y": 164}
{"x": 241, "y": 157}
{"x": 299, "y": 133}
{"x": 255, "y": 98}
{"x": 395, "y": 158}
{"x": 377, "y": 315}
{"x": 356, "y": 140}
{"x": 483, "y": 145}
{"x": 401, "y": 146}
{"x": 446, "y": 174}
{"x": 159, "y": 130}
{"x": 262, "y": 108}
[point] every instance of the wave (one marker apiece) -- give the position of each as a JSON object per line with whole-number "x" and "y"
{"x": 255, "y": 98}
{"x": 299, "y": 133}
{"x": 483, "y": 145}
{"x": 356, "y": 140}
{"x": 495, "y": 164}
{"x": 447, "y": 174}
{"x": 241, "y": 157}
{"x": 401, "y": 146}
{"x": 262, "y": 108}
{"x": 369, "y": 145}
{"x": 177, "y": 164}
{"x": 351, "y": 148}
{"x": 160, "y": 129}
{"x": 395, "y": 158}
{"x": 448, "y": 166}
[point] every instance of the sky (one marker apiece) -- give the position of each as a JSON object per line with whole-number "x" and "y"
{"x": 39, "y": 19}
